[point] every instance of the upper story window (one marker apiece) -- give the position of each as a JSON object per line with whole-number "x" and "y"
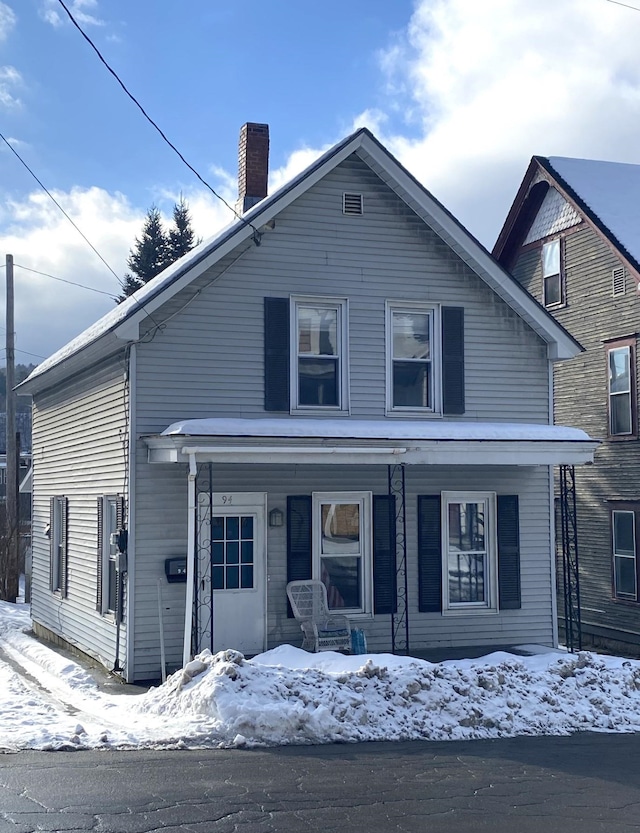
{"x": 319, "y": 366}
{"x": 621, "y": 385}
{"x": 625, "y": 561}
{"x": 552, "y": 288}
{"x": 413, "y": 356}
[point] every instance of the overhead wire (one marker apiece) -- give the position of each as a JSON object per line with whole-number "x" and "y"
{"x": 626, "y": 5}
{"x": 64, "y": 280}
{"x": 50, "y": 195}
{"x": 154, "y": 125}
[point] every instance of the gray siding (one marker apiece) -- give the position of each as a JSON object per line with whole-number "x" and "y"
{"x": 77, "y": 452}
{"x": 533, "y": 623}
{"x": 206, "y": 360}
{"x": 592, "y": 316}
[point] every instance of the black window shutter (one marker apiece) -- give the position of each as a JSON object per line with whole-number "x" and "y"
{"x": 453, "y": 360}
{"x": 384, "y": 554}
{"x": 99, "y": 555}
{"x": 508, "y": 552}
{"x": 52, "y": 559}
{"x": 429, "y": 554}
{"x": 298, "y": 540}
{"x": 64, "y": 545}
{"x": 276, "y": 354}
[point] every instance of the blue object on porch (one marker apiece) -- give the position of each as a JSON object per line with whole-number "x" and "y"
{"x": 358, "y": 641}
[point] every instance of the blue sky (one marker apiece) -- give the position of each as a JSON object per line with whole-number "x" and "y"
{"x": 462, "y": 92}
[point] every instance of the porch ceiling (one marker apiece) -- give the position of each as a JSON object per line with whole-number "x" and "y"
{"x": 369, "y": 442}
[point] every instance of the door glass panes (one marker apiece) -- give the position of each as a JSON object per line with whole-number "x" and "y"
{"x": 620, "y": 391}
{"x": 341, "y": 554}
{"x": 232, "y": 552}
{"x": 624, "y": 555}
{"x": 318, "y": 356}
{"x": 467, "y": 553}
{"x": 412, "y": 360}
{"x": 111, "y": 525}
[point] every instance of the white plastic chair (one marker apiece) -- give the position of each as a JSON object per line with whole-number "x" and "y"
{"x": 323, "y": 630}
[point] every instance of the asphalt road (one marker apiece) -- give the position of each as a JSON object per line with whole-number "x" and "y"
{"x": 584, "y": 783}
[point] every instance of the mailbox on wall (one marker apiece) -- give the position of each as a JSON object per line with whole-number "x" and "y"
{"x": 175, "y": 569}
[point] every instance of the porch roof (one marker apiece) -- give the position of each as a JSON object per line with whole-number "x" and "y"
{"x": 349, "y": 441}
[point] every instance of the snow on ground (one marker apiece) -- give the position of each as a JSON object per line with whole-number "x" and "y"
{"x": 288, "y": 696}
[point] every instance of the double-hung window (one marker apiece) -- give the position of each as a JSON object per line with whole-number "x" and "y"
{"x": 620, "y": 360}
{"x": 412, "y": 358}
{"x": 552, "y": 289}
{"x": 342, "y": 557}
{"x": 469, "y": 552}
{"x": 319, "y": 357}
{"x": 58, "y": 512}
{"x": 625, "y": 561}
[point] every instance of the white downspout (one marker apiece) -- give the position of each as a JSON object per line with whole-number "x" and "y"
{"x": 191, "y": 555}
{"x": 552, "y": 526}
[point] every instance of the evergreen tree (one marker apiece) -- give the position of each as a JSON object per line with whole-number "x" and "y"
{"x": 130, "y": 284}
{"x": 150, "y": 254}
{"x": 157, "y": 249}
{"x": 181, "y": 239}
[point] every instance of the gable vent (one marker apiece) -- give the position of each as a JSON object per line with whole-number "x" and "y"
{"x": 352, "y": 204}
{"x": 618, "y": 281}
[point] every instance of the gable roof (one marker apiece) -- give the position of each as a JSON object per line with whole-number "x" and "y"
{"x": 122, "y": 323}
{"x": 606, "y": 194}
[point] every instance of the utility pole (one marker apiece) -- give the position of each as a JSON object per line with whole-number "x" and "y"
{"x": 11, "y": 579}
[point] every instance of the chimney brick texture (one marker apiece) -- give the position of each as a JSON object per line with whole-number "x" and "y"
{"x": 253, "y": 164}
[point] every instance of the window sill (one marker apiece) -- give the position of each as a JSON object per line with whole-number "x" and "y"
{"x": 313, "y": 412}
{"x": 621, "y": 438}
{"x": 471, "y": 611}
{"x": 410, "y": 413}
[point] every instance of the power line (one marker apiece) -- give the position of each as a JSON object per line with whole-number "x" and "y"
{"x": 50, "y": 195}
{"x": 64, "y": 280}
{"x": 626, "y": 5}
{"x": 153, "y": 124}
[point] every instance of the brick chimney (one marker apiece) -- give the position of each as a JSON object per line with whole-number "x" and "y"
{"x": 253, "y": 165}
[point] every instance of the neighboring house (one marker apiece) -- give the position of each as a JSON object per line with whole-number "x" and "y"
{"x": 341, "y": 384}
{"x": 572, "y": 239}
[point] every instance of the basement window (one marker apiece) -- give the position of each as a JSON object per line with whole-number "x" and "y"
{"x": 352, "y": 204}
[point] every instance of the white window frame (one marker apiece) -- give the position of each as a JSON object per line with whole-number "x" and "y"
{"x": 617, "y": 555}
{"x": 340, "y": 305}
{"x": 109, "y": 549}
{"x": 490, "y": 604}
{"x": 365, "y": 501}
{"x": 628, "y": 392}
{"x": 552, "y": 273}
{"x": 433, "y": 310}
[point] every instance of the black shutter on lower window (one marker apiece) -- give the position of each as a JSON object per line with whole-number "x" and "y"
{"x": 298, "y": 540}
{"x": 429, "y": 554}
{"x": 384, "y": 554}
{"x": 453, "y": 360}
{"x": 52, "y": 558}
{"x": 276, "y": 354}
{"x": 64, "y": 545}
{"x": 99, "y": 555}
{"x": 509, "y": 552}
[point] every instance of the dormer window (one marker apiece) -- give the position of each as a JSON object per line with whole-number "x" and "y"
{"x": 552, "y": 289}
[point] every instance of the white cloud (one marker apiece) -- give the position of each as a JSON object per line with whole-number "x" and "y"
{"x": 10, "y": 78}
{"x": 78, "y": 8}
{"x": 7, "y": 20}
{"x": 490, "y": 84}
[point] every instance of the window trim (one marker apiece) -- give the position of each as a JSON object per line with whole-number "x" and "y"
{"x": 341, "y": 305}
{"x": 108, "y": 556}
{"x": 633, "y": 509}
{"x": 559, "y": 274}
{"x": 365, "y": 500}
{"x": 491, "y": 605}
{"x": 610, "y": 346}
{"x": 434, "y": 311}
{"x": 58, "y": 534}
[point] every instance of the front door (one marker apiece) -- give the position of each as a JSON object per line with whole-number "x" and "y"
{"x": 231, "y": 587}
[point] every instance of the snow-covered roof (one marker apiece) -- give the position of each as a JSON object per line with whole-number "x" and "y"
{"x": 365, "y": 429}
{"x": 124, "y": 319}
{"x": 611, "y": 191}
{"x": 387, "y": 441}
